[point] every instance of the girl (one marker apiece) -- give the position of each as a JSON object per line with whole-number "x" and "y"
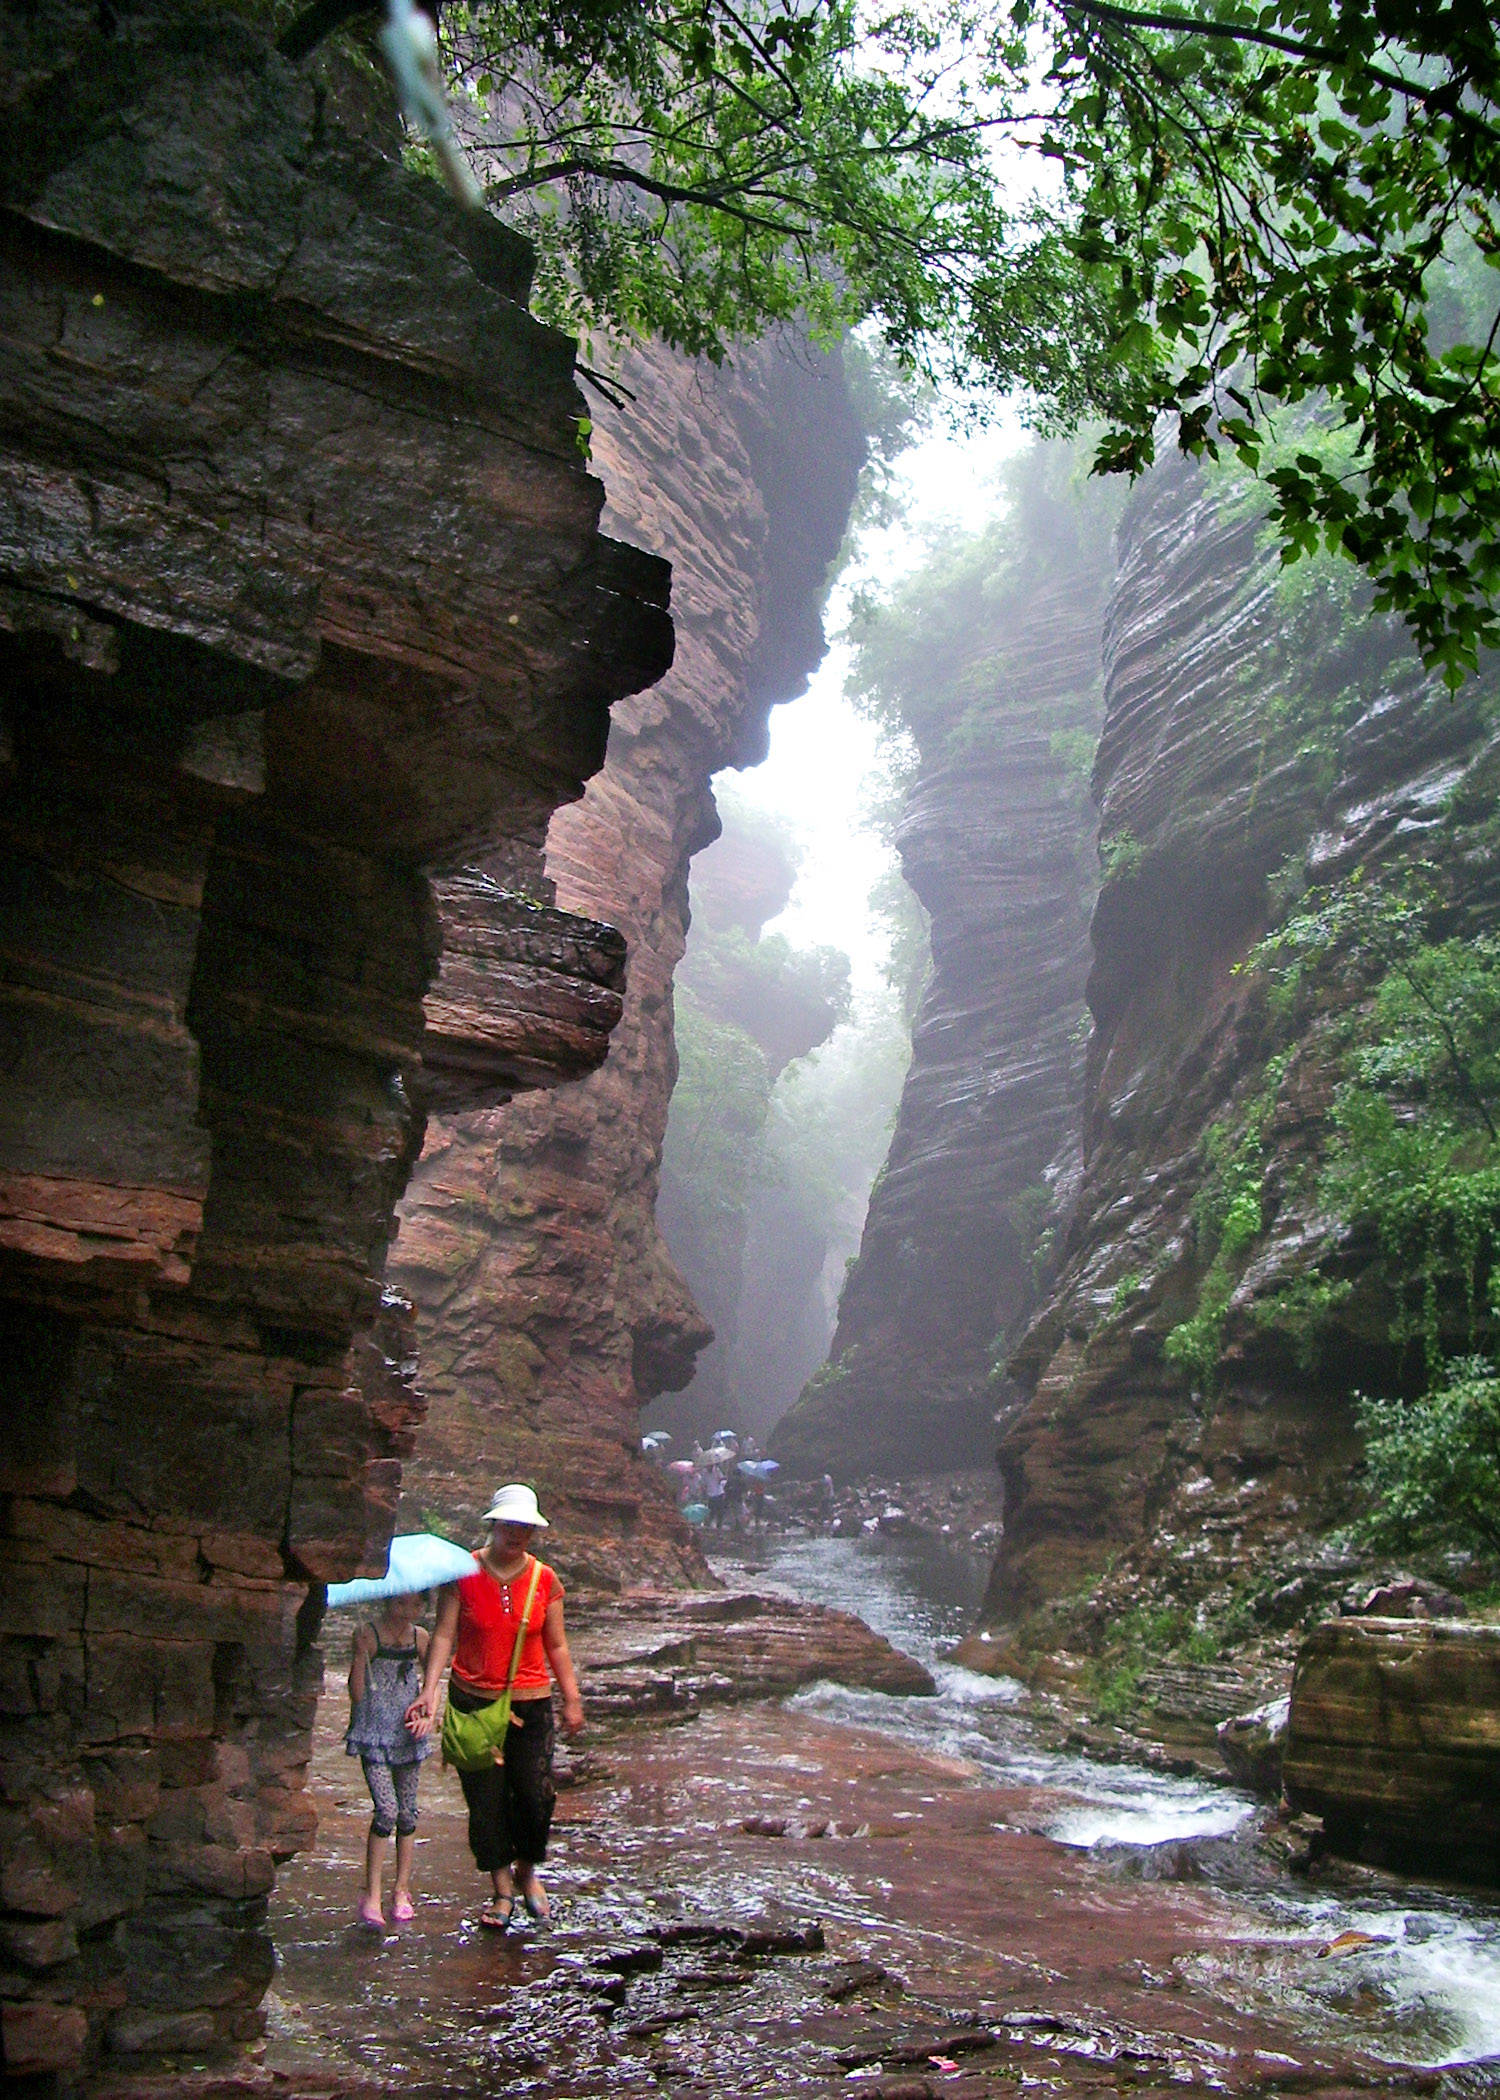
{"x": 385, "y": 1675}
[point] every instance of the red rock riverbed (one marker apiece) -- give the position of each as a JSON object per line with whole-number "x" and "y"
{"x": 929, "y": 1941}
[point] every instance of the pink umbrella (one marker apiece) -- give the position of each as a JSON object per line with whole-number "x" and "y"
{"x": 681, "y": 1465}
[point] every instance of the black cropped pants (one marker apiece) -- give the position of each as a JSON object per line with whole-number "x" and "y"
{"x": 511, "y": 1803}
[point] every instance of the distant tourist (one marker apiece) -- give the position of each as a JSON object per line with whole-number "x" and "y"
{"x": 385, "y": 1675}
{"x": 713, "y": 1493}
{"x": 734, "y": 1495}
{"x": 503, "y": 1626}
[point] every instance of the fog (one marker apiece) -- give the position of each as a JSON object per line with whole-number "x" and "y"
{"x": 792, "y": 1035}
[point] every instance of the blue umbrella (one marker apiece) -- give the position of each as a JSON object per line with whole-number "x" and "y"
{"x": 419, "y": 1561}
{"x": 760, "y": 1468}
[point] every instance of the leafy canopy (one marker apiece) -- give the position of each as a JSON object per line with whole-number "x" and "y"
{"x": 1220, "y": 220}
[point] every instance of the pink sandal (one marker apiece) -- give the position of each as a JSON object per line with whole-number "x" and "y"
{"x": 369, "y": 1915}
{"x": 403, "y": 1910}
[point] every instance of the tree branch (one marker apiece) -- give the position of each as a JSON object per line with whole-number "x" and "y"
{"x": 1173, "y": 24}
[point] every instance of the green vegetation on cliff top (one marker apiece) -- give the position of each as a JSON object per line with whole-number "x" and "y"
{"x": 1195, "y": 217}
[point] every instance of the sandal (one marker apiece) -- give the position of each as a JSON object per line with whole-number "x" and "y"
{"x": 540, "y": 1913}
{"x": 369, "y": 1915}
{"x": 403, "y": 1910}
{"x": 497, "y": 1913}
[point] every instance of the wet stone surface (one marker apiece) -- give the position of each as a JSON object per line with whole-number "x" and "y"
{"x": 932, "y": 1941}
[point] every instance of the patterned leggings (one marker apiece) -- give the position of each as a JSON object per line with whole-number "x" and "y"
{"x": 393, "y": 1789}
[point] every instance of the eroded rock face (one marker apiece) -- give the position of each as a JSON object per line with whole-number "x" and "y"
{"x": 548, "y": 1307}
{"x": 674, "y": 1654}
{"x": 997, "y": 841}
{"x": 1245, "y": 737}
{"x": 297, "y": 563}
{"x": 1394, "y": 1739}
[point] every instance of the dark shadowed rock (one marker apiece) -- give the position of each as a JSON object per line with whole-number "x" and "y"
{"x": 1236, "y": 743}
{"x": 1394, "y": 1739}
{"x": 302, "y": 590}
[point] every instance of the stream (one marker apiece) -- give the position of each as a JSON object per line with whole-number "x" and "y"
{"x": 1426, "y": 1991}
{"x": 976, "y": 1900}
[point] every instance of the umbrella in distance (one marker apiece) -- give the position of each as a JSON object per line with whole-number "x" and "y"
{"x": 760, "y": 1468}
{"x": 681, "y": 1465}
{"x": 419, "y": 1561}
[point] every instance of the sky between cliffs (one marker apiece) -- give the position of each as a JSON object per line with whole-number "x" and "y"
{"x": 824, "y": 762}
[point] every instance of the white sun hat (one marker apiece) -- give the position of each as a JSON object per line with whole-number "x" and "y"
{"x": 516, "y": 1504}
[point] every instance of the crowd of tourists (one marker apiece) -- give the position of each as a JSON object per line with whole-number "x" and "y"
{"x": 724, "y": 1486}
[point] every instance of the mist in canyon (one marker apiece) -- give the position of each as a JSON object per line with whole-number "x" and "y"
{"x": 806, "y": 958}
{"x": 531, "y": 915}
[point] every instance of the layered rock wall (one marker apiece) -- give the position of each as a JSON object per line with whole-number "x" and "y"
{"x": 1393, "y": 1739}
{"x": 996, "y": 838}
{"x": 1261, "y": 733}
{"x": 548, "y": 1307}
{"x": 302, "y": 588}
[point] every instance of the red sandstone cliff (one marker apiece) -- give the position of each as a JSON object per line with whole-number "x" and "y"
{"x": 301, "y": 589}
{"x": 548, "y": 1308}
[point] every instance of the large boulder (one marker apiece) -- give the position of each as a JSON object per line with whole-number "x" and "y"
{"x": 1394, "y": 1739}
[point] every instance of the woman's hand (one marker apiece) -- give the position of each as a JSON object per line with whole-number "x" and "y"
{"x": 421, "y": 1715}
{"x": 572, "y": 1713}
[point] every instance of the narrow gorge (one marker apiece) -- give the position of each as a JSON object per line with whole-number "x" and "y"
{"x": 408, "y": 1090}
{"x": 548, "y": 1308}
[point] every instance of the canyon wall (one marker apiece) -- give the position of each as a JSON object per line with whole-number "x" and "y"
{"x": 996, "y": 838}
{"x": 302, "y": 590}
{"x": 548, "y": 1307}
{"x": 1263, "y": 733}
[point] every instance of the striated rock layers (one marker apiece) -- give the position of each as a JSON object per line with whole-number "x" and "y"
{"x": 1394, "y": 1740}
{"x": 1262, "y": 732}
{"x": 548, "y": 1308}
{"x": 996, "y": 838}
{"x": 301, "y": 590}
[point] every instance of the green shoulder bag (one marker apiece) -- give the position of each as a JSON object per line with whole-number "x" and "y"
{"x": 471, "y": 1740}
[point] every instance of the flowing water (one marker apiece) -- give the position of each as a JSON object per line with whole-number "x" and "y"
{"x": 1420, "y": 1986}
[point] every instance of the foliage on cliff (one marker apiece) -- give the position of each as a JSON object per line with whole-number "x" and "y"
{"x": 1402, "y": 984}
{"x": 933, "y": 662}
{"x": 1208, "y": 214}
{"x": 1414, "y": 1156}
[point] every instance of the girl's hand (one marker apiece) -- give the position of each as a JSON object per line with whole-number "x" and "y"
{"x": 572, "y": 1714}
{"x": 421, "y": 1717}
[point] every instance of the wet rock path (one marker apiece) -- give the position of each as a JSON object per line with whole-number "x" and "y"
{"x": 757, "y": 1902}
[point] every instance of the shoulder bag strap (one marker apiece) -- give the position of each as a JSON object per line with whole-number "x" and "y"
{"x": 515, "y": 1653}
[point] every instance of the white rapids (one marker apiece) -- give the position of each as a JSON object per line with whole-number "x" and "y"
{"x": 1423, "y": 1985}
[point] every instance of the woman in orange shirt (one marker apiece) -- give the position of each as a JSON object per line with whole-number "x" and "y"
{"x": 510, "y": 1802}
